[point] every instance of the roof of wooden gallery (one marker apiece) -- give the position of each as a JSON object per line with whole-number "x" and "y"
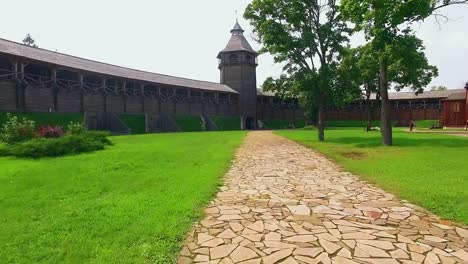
{"x": 426, "y": 95}
{"x": 73, "y": 62}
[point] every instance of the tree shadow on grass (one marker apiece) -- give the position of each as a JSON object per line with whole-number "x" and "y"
{"x": 361, "y": 142}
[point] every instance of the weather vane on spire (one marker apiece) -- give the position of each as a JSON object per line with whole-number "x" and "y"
{"x": 236, "y": 16}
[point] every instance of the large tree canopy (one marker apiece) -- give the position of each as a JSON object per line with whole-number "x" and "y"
{"x": 408, "y": 67}
{"x": 387, "y": 25}
{"x": 307, "y": 37}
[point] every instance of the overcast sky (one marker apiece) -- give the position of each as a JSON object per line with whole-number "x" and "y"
{"x": 183, "y": 37}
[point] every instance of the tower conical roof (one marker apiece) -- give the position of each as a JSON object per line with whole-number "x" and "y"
{"x": 238, "y": 42}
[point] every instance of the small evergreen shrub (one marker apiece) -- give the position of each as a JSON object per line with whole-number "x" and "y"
{"x": 66, "y": 145}
{"x": 4, "y": 151}
{"x": 15, "y": 130}
{"x": 76, "y": 128}
{"x": 50, "y": 131}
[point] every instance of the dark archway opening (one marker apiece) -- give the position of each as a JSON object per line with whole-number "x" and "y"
{"x": 250, "y": 123}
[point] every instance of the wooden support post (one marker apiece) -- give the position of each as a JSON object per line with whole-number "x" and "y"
{"x": 189, "y": 101}
{"x": 21, "y": 71}
{"x": 159, "y": 100}
{"x": 217, "y": 103}
{"x": 410, "y": 110}
{"x": 104, "y": 96}
{"x": 124, "y": 94}
{"x": 424, "y": 111}
{"x": 142, "y": 87}
{"x": 54, "y": 88}
{"x": 203, "y": 103}
{"x": 20, "y": 86}
{"x": 81, "y": 79}
{"x": 15, "y": 70}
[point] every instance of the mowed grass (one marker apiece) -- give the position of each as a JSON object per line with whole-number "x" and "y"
{"x": 427, "y": 169}
{"x": 131, "y": 203}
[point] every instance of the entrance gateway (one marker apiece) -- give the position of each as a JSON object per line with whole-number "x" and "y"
{"x": 250, "y": 123}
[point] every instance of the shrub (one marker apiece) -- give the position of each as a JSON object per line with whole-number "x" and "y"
{"x": 4, "y": 150}
{"x": 99, "y": 136}
{"x": 15, "y": 130}
{"x": 53, "y": 147}
{"x": 76, "y": 128}
{"x": 50, "y": 131}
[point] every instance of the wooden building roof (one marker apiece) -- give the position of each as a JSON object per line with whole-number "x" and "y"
{"x": 81, "y": 64}
{"x": 457, "y": 96}
{"x": 423, "y": 96}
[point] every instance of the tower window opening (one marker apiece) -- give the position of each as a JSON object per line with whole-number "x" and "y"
{"x": 233, "y": 58}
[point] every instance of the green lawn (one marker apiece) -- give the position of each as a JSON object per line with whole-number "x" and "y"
{"x": 131, "y": 203}
{"x": 427, "y": 169}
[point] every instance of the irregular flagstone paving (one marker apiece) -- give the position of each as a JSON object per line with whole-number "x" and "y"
{"x": 284, "y": 203}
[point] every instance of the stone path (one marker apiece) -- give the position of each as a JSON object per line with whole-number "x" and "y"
{"x": 284, "y": 203}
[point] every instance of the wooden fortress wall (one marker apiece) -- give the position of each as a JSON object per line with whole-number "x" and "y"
{"x": 40, "y": 98}
{"x": 402, "y": 116}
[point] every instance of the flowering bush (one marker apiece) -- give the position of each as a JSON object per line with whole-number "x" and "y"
{"x": 50, "y": 131}
{"x": 15, "y": 130}
{"x": 76, "y": 128}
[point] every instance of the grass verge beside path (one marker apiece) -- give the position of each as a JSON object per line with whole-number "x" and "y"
{"x": 131, "y": 203}
{"x": 426, "y": 169}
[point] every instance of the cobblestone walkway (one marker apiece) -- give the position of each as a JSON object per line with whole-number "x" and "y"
{"x": 284, "y": 203}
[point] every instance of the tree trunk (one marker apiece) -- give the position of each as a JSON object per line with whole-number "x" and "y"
{"x": 369, "y": 114}
{"x": 386, "y": 115}
{"x": 320, "y": 123}
{"x": 369, "y": 108}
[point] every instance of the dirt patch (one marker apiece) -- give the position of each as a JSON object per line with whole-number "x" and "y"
{"x": 354, "y": 155}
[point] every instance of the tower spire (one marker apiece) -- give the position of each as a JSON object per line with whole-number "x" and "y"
{"x": 237, "y": 29}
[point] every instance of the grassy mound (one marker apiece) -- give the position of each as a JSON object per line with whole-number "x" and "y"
{"x": 227, "y": 123}
{"x": 136, "y": 122}
{"x": 189, "y": 123}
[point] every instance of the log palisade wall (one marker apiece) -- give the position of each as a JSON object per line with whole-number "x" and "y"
{"x": 38, "y": 98}
{"x": 41, "y": 99}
